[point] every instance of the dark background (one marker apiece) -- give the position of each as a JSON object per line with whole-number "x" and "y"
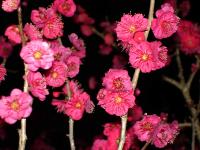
{"x": 51, "y": 127}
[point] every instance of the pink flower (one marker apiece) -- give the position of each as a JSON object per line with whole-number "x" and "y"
{"x": 39, "y": 17}
{"x": 166, "y": 23}
{"x": 159, "y": 54}
{"x": 77, "y": 43}
{"x": 129, "y": 25}
{"x": 16, "y": 106}
{"x": 73, "y": 65}
{"x": 117, "y": 103}
{"x": 53, "y": 28}
{"x": 76, "y": 105}
{"x": 2, "y": 72}
{"x": 65, "y": 7}
{"x": 86, "y": 30}
{"x": 100, "y": 144}
{"x": 12, "y": 32}
{"x": 5, "y": 48}
{"x": 32, "y": 32}
{"x": 189, "y": 37}
{"x": 37, "y": 85}
{"x": 57, "y": 74}
{"x": 60, "y": 52}
{"x": 164, "y": 134}
{"x": 37, "y": 54}
{"x": 10, "y": 5}
{"x": 144, "y": 129}
{"x": 117, "y": 80}
{"x": 140, "y": 56}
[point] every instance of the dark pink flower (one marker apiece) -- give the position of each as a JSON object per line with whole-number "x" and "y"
{"x": 166, "y": 23}
{"x": 16, "y": 106}
{"x": 144, "y": 128}
{"x": 57, "y": 74}
{"x": 140, "y": 56}
{"x": 117, "y": 80}
{"x": 86, "y": 30}
{"x": 32, "y": 32}
{"x": 117, "y": 103}
{"x": 164, "y": 134}
{"x": 65, "y": 7}
{"x": 12, "y": 32}
{"x": 77, "y": 43}
{"x": 76, "y": 105}
{"x": 10, "y": 5}
{"x": 60, "y": 52}
{"x": 37, "y": 54}
{"x": 73, "y": 65}
{"x": 37, "y": 85}
{"x": 129, "y": 25}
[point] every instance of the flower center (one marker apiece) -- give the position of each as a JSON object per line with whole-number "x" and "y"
{"x": 132, "y": 29}
{"x": 147, "y": 126}
{"x": 166, "y": 26}
{"x": 118, "y": 99}
{"x": 71, "y": 66}
{"x": 15, "y": 105}
{"x": 78, "y": 105}
{"x": 54, "y": 74}
{"x": 66, "y": 6}
{"x": 37, "y": 55}
{"x": 117, "y": 83}
{"x": 145, "y": 57}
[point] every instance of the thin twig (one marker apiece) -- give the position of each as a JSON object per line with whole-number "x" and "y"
{"x": 71, "y": 121}
{"x": 71, "y": 133}
{"x": 192, "y": 75}
{"x": 173, "y": 82}
{"x": 123, "y": 132}
{"x": 185, "y": 125}
{"x": 180, "y": 67}
{"x": 22, "y": 131}
{"x": 145, "y": 145}
{"x": 193, "y": 134}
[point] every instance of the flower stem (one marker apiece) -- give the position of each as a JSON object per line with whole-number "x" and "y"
{"x": 22, "y": 131}
{"x": 71, "y": 121}
{"x": 123, "y": 132}
{"x": 145, "y": 145}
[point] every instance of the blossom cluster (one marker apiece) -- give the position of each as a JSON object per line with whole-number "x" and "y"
{"x": 147, "y": 56}
{"x": 117, "y": 96}
{"x": 153, "y": 129}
